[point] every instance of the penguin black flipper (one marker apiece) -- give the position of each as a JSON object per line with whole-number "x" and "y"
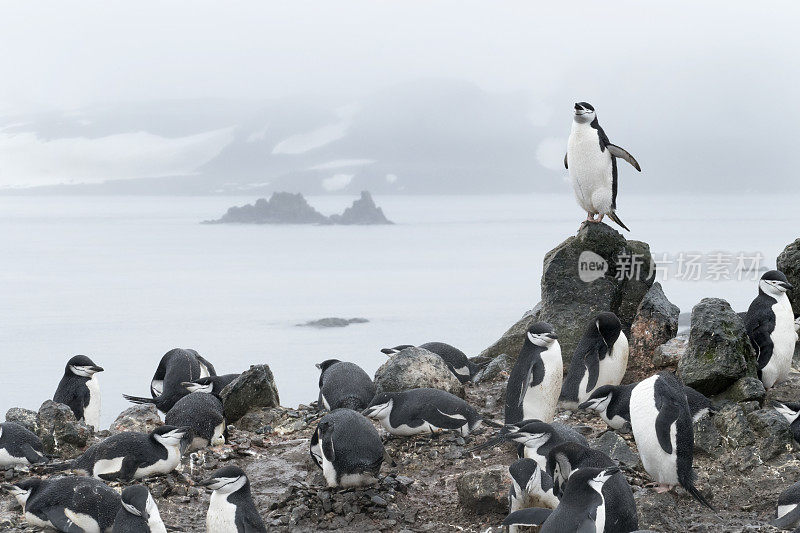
{"x": 788, "y": 520}
{"x": 442, "y": 420}
{"x": 565, "y": 162}
{"x": 60, "y": 521}
{"x": 32, "y": 455}
{"x": 759, "y": 333}
{"x": 620, "y": 152}
{"x": 592, "y": 363}
{"x": 246, "y": 524}
{"x": 205, "y": 363}
{"x": 668, "y": 412}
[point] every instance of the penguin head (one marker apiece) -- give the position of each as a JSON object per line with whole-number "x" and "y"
{"x": 530, "y": 433}
{"x": 171, "y": 436}
{"x": 135, "y": 500}
{"x": 599, "y": 399}
{"x": 82, "y": 366}
{"x": 774, "y": 283}
{"x": 22, "y": 490}
{"x": 524, "y": 472}
{"x": 594, "y": 477}
{"x": 542, "y": 334}
{"x": 790, "y": 411}
{"x": 609, "y": 327}
{"x": 584, "y": 113}
{"x": 325, "y": 365}
{"x": 380, "y": 407}
{"x": 226, "y": 480}
{"x": 205, "y": 385}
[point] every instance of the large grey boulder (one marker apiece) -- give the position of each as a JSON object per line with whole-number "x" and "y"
{"x": 60, "y": 431}
{"x": 789, "y": 263}
{"x": 594, "y": 271}
{"x": 415, "y": 368}
{"x": 656, "y": 322}
{"x": 24, "y": 417}
{"x": 719, "y": 351}
{"x": 254, "y": 388}
{"x": 140, "y": 418}
{"x": 485, "y": 490}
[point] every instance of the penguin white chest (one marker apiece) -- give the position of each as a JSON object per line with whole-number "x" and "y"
{"x": 540, "y": 401}
{"x": 6, "y": 459}
{"x": 590, "y": 169}
{"x": 614, "y": 364}
{"x": 83, "y": 521}
{"x": 662, "y": 466}
{"x": 783, "y": 339}
{"x": 221, "y": 516}
{"x": 162, "y": 466}
{"x": 91, "y": 413}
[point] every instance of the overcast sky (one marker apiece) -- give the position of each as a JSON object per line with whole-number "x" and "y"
{"x": 712, "y": 81}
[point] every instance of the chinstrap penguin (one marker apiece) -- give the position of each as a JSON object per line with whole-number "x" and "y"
{"x": 600, "y": 358}
{"x": 74, "y": 504}
{"x": 176, "y": 367}
{"x": 791, "y": 412}
{"x": 203, "y": 413}
{"x": 530, "y": 486}
{"x": 456, "y": 360}
{"x": 612, "y": 403}
{"x": 770, "y": 325}
{"x": 130, "y": 455}
{"x": 592, "y": 163}
{"x": 80, "y": 390}
{"x": 231, "y": 509}
{"x": 534, "y": 438}
{"x": 344, "y": 384}
{"x": 535, "y": 381}
{"x": 19, "y": 446}
{"x": 210, "y": 384}
{"x": 348, "y": 449}
{"x": 139, "y": 512}
{"x": 568, "y": 457}
{"x": 788, "y": 513}
{"x": 662, "y": 428}
{"x": 582, "y": 509}
{"x": 421, "y": 411}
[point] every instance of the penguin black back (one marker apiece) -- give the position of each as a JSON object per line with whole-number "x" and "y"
{"x": 344, "y": 384}
{"x": 204, "y": 414}
{"x": 19, "y": 445}
{"x": 176, "y": 367}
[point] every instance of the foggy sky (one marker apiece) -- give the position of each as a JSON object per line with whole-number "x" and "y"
{"x": 697, "y": 91}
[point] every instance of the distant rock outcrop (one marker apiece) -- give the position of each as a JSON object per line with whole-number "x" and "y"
{"x": 333, "y": 322}
{"x": 288, "y": 208}
{"x": 363, "y": 211}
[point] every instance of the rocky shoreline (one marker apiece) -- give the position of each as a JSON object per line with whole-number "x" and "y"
{"x": 745, "y": 454}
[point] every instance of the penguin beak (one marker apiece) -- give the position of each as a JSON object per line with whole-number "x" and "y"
{"x": 319, "y": 366}
{"x": 552, "y": 335}
{"x": 207, "y": 482}
{"x": 585, "y": 405}
{"x": 95, "y": 368}
{"x": 786, "y": 285}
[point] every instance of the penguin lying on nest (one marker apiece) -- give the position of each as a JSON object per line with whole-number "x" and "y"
{"x": 344, "y": 384}
{"x": 19, "y": 446}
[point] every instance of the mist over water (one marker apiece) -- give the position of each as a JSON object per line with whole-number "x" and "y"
{"x": 124, "y": 279}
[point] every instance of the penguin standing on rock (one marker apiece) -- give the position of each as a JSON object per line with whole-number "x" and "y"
{"x": 789, "y": 509}
{"x": 456, "y": 360}
{"x": 71, "y": 504}
{"x": 203, "y": 414}
{"x": 423, "y": 411}
{"x": 613, "y": 404}
{"x": 600, "y": 358}
{"x": 80, "y": 390}
{"x": 231, "y": 509}
{"x": 662, "y": 428}
{"x": 130, "y": 455}
{"x": 139, "y": 512}
{"x": 582, "y": 508}
{"x": 530, "y": 486}
{"x": 348, "y": 449}
{"x": 176, "y": 367}
{"x": 535, "y": 381}
{"x": 770, "y": 325}
{"x": 19, "y": 446}
{"x": 592, "y": 163}
{"x": 344, "y": 384}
